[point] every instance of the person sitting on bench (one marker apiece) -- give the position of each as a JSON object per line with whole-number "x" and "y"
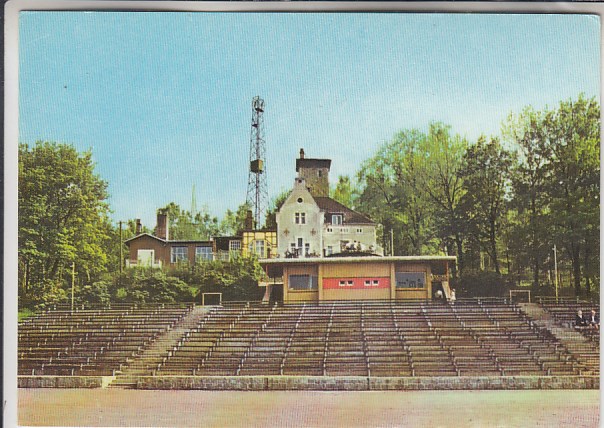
{"x": 579, "y": 320}
{"x": 593, "y": 320}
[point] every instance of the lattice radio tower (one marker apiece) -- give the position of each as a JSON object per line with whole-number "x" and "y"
{"x": 257, "y": 190}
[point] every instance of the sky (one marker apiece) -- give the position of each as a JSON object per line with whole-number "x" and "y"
{"x": 163, "y": 100}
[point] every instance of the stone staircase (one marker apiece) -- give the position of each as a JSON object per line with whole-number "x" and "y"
{"x": 585, "y": 352}
{"x": 148, "y": 360}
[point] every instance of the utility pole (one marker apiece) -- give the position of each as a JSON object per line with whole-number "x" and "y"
{"x": 391, "y": 242}
{"x": 556, "y": 272}
{"x": 121, "y": 248}
{"x": 72, "y": 283}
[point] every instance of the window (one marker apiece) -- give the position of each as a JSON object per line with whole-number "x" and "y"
{"x": 359, "y": 230}
{"x": 372, "y": 283}
{"x": 336, "y": 219}
{"x": 300, "y": 200}
{"x": 300, "y": 218}
{"x": 203, "y": 253}
{"x": 178, "y": 254}
{"x": 259, "y": 248}
{"x": 234, "y": 245}
{"x": 307, "y": 249}
{"x": 410, "y": 279}
{"x": 329, "y": 250}
{"x": 303, "y": 282}
{"x": 319, "y": 172}
{"x": 329, "y": 230}
{"x": 346, "y": 283}
{"x": 344, "y": 230}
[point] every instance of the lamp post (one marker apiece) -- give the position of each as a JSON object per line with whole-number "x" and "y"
{"x": 121, "y": 248}
{"x": 556, "y": 272}
{"x": 72, "y": 283}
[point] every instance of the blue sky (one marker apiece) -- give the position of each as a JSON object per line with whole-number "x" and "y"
{"x": 163, "y": 100}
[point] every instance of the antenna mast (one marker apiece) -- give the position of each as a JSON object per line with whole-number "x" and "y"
{"x": 257, "y": 189}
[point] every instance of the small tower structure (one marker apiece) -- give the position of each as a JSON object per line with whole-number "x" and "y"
{"x": 315, "y": 172}
{"x": 257, "y": 189}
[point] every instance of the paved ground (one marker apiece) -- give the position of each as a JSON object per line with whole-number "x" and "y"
{"x": 117, "y": 407}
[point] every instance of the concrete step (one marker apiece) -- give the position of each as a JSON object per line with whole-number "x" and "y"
{"x": 572, "y": 340}
{"x": 144, "y": 363}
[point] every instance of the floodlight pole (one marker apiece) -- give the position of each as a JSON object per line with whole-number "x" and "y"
{"x": 556, "y": 272}
{"x": 121, "y": 248}
{"x": 72, "y": 283}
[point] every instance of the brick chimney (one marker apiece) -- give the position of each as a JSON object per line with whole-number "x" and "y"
{"x": 249, "y": 220}
{"x": 301, "y": 153}
{"x": 162, "y": 230}
{"x": 139, "y": 226}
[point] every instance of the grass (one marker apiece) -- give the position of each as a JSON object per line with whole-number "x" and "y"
{"x": 25, "y": 313}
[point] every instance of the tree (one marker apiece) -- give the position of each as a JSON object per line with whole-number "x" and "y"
{"x": 233, "y": 223}
{"x": 392, "y": 195}
{"x": 345, "y": 192}
{"x": 556, "y": 186}
{"x": 63, "y": 219}
{"x": 529, "y": 235}
{"x": 573, "y": 138}
{"x": 486, "y": 178}
{"x": 439, "y": 176}
{"x": 182, "y": 225}
{"x": 273, "y": 209}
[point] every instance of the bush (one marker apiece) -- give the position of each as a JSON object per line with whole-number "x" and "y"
{"x": 98, "y": 293}
{"x": 149, "y": 285}
{"x": 236, "y": 280}
{"x": 482, "y": 284}
{"x": 43, "y": 294}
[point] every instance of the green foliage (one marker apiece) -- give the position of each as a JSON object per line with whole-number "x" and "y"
{"x": 482, "y": 284}
{"x": 24, "y": 314}
{"x": 233, "y": 223}
{"x": 237, "y": 279}
{"x": 486, "y": 175}
{"x": 275, "y": 206}
{"x": 94, "y": 293}
{"x": 183, "y": 225}
{"x": 63, "y": 218}
{"x": 556, "y": 189}
{"x": 345, "y": 192}
{"x": 144, "y": 285}
{"x": 392, "y": 193}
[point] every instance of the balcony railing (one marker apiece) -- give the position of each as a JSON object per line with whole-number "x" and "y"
{"x": 144, "y": 263}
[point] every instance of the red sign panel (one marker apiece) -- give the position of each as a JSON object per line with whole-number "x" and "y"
{"x": 356, "y": 283}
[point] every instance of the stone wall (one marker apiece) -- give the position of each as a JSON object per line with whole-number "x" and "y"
{"x": 64, "y": 381}
{"x": 354, "y": 383}
{"x": 320, "y": 383}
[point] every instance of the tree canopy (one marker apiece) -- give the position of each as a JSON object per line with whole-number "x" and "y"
{"x": 63, "y": 219}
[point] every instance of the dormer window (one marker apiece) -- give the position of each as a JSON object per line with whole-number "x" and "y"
{"x": 336, "y": 219}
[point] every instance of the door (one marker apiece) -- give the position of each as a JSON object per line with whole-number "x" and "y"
{"x": 145, "y": 257}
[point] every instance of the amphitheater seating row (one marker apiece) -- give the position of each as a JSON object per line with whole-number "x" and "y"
{"x": 370, "y": 339}
{"x": 90, "y": 341}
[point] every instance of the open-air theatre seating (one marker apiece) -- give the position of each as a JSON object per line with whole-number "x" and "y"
{"x": 420, "y": 338}
{"x": 97, "y": 341}
{"x": 373, "y": 338}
